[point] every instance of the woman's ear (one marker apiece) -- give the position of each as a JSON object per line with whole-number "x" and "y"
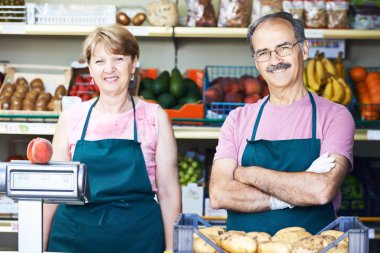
{"x": 134, "y": 64}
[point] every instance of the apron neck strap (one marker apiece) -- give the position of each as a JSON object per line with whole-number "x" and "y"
{"x": 314, "y": 117}
{"x": 135, "y": 138}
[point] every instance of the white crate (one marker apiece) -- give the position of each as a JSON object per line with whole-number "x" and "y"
{"x": 73, "y": 14}
{"x": 8, "y": 12}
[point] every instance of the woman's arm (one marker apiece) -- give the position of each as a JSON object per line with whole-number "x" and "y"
{"x": 60, "y": 153}
{"x": 167, "y": 176}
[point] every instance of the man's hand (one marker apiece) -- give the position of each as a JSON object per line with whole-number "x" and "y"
{"x": 322, "y": 164}
{"x": 276, "y": 204}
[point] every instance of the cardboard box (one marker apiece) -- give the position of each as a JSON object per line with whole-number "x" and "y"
{"x": 192, "y": 199}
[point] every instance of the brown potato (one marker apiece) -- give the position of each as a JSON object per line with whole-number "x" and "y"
{"x": 338, "y": 249}
{"x": 212, "y": 231}
{"x": 274, "y": 247}
{"x": 200, "y": 246}
{"x": 237, "y": 242}
{"x": 291, "y": 236}
{"x": 290, "y": 229}
{"x": 312, "y": 244}
{"x": 139, "y": 19}
{"x": 336, "y": 234}
{"x": 60, "y": 91}
{"x": 122, "y": 18}
{"x": 37, "y": 82}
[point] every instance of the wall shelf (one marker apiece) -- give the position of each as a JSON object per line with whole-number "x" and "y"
{"x": 180, "y": 132}
{"x": 178, "y": 32}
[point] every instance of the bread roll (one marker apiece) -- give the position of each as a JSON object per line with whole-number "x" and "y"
{"x": 260, "y": 236}
{"x": 237, "y": 242}
{"x": 274, "y": 247}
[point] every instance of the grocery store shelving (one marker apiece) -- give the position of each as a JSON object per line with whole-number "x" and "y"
{"x": 180, "y": 132}
{"x": 179, "y": 32}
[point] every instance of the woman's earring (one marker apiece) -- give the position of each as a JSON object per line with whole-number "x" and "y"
{"x": 92, "y": 81}
{"x": 133, "y": 77}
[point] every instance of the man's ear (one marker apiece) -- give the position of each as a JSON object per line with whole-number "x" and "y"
{"x": 305, "y": 49}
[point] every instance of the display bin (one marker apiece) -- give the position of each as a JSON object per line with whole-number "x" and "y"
{"x": 12, "y": 14}
{"x": 220, "y": 110}
{"x": 187, "y": 224}
{"x": 365, "y": 114}
{"x": 71, "y": 14}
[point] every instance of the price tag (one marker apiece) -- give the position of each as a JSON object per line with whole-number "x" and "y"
{"x": 371, "y": 233}
{"x": 314, "y": 33}
{"x": 14, "y": 29}
{"x": 373, "y": 135}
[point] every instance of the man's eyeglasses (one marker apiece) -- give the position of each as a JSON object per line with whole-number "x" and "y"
{"x": 281, "y": 51}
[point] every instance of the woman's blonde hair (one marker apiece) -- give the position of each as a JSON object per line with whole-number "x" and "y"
{"x": 115, "y": 39}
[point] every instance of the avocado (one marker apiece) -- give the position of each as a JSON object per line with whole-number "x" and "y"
{"x": 177, "y": 87}
{"x": 147, "y": 94}
{"x": 189, "y": 99}
{"x": 192, "y": 88}
{"x": 161, "y": 84}
{"x": 166, "y": 100}
{"x": 146, "y": 83}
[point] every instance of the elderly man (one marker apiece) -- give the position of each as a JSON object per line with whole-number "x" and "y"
{"x": 280, "y": 162}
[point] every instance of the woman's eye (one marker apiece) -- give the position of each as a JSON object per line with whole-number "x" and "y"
{"x": 98, "y": 61}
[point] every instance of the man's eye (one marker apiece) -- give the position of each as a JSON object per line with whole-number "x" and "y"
{"x": 263, "y": 53}
{"x": 283, "y": 48}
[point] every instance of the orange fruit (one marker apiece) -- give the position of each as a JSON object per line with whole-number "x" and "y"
{"x": 358, "y": 74}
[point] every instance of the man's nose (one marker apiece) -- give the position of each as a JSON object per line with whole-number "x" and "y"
{"x": 274, "y": 58}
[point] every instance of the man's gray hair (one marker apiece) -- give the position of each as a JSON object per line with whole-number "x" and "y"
{"x": 297, "y": 25}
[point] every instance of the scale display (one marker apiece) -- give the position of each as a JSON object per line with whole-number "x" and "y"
{"x": 42, "y": 181}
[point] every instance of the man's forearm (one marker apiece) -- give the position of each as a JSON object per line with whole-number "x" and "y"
{"x": 297, "y": 188}
{"x": 234, "y": 195}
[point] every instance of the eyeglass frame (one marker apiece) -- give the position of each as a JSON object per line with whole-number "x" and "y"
{"x": 275, "y": 50}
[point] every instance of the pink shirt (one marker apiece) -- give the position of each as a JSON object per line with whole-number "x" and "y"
{"x": 335, "y": 128}
{"x": 118, "y": 126}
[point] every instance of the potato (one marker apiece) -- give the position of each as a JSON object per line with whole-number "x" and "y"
{"x": 200, "y": 246}
{"x": 260, "y": 236}
{"x": 336, "y": 234}
{"x": 291, "y": 236}
{"x": 338, "y": 249}
{"x": 213, "y": 231}
{"x": 274, "y": 247}
{"x": 312, "y": 244}
{"x": 237, "y": 242}
{"x": 290, "y": 229}
{"x": 139, "y": 19}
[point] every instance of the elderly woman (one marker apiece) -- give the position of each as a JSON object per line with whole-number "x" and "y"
{"x": 130, "y": 152}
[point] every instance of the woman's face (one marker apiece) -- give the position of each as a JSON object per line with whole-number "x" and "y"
{"x": 111, "y": 72}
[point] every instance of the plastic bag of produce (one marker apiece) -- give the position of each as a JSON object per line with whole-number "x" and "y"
{"x": 337, "y": 14}
{"x": 315, "y": 13}
{"x": 200, "y": 13}
{"x": 233, "y": 13}
{"x": 294, "y": 7}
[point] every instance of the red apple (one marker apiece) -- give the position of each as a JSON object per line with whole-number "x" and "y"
{"x": 39, "y": 150}
{"x": 252, "y": 85}
{"x": 253, "y": 98}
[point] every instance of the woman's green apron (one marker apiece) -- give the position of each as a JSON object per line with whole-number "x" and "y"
{"x": 292, "y": 155}
{"x": 123, "y": 215}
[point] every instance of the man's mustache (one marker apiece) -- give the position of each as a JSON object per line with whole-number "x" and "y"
{"x": 279, "y": 66}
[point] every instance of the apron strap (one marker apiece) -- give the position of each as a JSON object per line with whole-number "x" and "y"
{"x": 88, "y": 119}
{"x": 135, "y": 137}
{"x": 314, "y": 117}
{"x": 258, "y": 119}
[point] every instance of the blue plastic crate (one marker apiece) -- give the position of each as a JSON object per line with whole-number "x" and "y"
{"x": 220, "y": 110}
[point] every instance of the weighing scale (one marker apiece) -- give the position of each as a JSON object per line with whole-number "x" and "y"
{"x": 31, "y": 185}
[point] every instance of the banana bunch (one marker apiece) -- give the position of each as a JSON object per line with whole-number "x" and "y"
{"x": 337, "y": 90}
{"x": 325, "y": 78}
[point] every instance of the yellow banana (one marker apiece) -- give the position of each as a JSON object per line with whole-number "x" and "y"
{"x": 319, "y": 72}
{"x": 328, "y": 92}
{"x": 339, "y": 92}
{"x": 339, "y": 66}
{"x": 311, "y": 82}
{"x": 348, "y": 93}
{"x": 329, "y": 66}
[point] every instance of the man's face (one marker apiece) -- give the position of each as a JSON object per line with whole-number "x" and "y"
{"x": 278, "y": 71}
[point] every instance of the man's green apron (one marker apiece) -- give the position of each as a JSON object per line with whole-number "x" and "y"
{"x": 282, "y": 155}
{"x": 122, "y": 215}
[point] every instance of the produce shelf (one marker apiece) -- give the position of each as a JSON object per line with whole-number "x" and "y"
{"x": 180, "y": 132}
{"x": 179, "y": 32}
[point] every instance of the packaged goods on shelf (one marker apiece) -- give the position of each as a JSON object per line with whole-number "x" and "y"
{"x": 12, "y": 11}
{"x": 345, "y": 233}
{"x": 233, "y": 13}
{"x": 365, "y": 17}
{"x": 72, "y": 14}
{"x": 200, "y": 13}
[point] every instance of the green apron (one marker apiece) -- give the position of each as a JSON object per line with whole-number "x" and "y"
{"x": 283, "y": 155}
{"x": 122, "y": 215}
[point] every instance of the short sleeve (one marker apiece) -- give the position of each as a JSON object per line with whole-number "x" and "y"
{"x": 227, "y": 147}
{"x": 339, "y": 137}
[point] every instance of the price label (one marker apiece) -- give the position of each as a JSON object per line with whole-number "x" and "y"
{"x": 139, "y": 31}
{"x": 314, "y": 33}
{"x": 373, "y": 135}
